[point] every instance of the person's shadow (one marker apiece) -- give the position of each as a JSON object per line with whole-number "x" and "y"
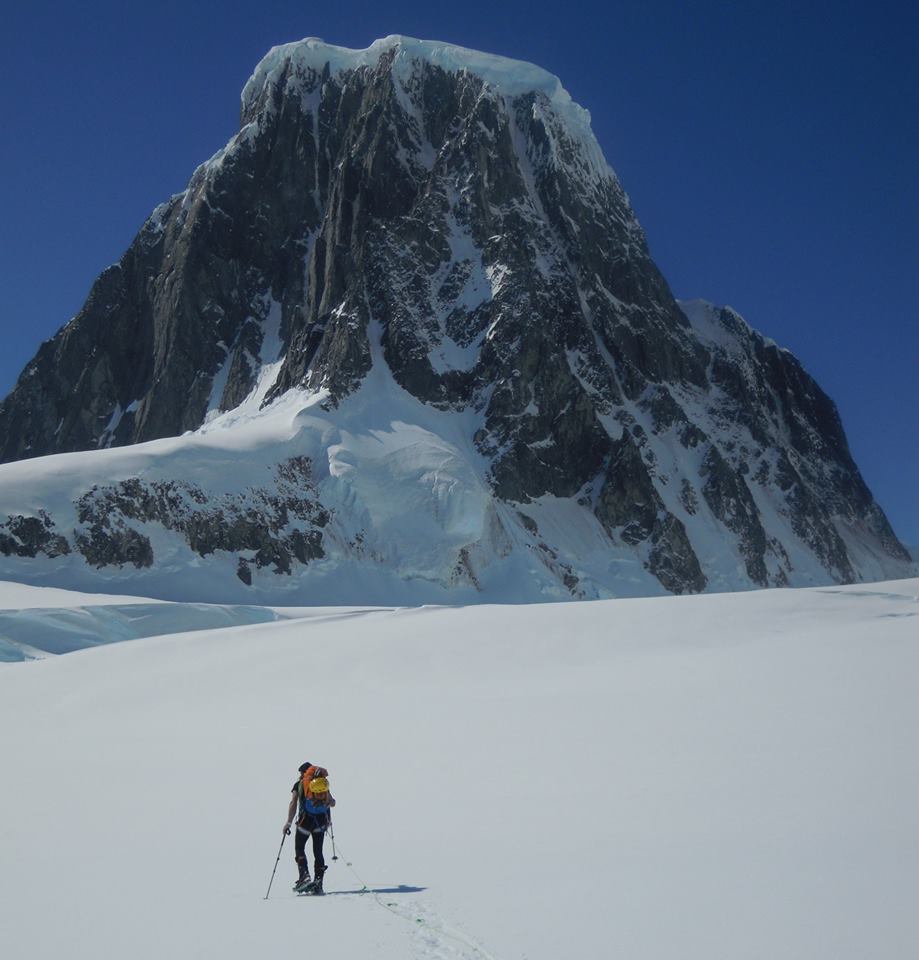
{"x": 402, "y": 888}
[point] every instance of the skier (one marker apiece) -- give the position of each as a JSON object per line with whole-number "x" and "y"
{"x": 311, "y": 801}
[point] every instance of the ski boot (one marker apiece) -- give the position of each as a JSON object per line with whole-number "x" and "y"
{"x": 316, "y": 886}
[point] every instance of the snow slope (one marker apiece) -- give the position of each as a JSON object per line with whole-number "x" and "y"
{"x": 720, "y": 776}
{"x": 45, "y": 621}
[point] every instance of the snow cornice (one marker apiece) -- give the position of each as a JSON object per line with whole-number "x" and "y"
{"x": 508, "y": 77}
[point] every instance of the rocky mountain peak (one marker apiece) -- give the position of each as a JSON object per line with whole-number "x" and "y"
{"x": 447, "y": 218}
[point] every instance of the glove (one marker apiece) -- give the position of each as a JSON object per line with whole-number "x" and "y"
{"x": 287, "y": 829}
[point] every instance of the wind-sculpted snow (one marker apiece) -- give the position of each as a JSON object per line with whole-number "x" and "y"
{"x": 38, "y": 622}
{"x": 33, "y": 634}
{"x": 681, "y": 777}
{"x": 422, "y": 249}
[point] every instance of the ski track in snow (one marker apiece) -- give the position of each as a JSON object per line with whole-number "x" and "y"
{"x": 433, "y": 937}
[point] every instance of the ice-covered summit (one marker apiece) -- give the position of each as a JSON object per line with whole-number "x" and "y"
{"x": 507, "y": 76}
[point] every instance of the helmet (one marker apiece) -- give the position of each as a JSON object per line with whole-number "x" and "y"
{"x": 319, "y": 785}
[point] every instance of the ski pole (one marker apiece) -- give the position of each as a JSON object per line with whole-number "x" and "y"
{"x": 271, "y": 881}
{"x": 332, "y": 835}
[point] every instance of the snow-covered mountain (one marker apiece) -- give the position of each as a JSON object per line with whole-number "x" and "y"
{"x": 722, "y": 776}
{"x": 410, "y": 345}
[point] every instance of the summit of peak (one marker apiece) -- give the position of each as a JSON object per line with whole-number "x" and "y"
{"x": 509, "y": 76}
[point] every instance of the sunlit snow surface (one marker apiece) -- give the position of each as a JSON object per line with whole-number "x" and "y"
{"x": 722, "y": 776}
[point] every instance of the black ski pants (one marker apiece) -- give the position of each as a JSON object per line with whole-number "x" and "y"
{"x": 310, "y": 825}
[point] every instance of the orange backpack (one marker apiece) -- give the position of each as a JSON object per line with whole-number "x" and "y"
{"x": 310, "y": 774}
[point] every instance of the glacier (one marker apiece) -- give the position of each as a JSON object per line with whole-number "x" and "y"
{"x": 728, "y": 775}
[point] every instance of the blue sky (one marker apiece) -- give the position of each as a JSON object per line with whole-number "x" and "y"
{"x": 770, "y": 150}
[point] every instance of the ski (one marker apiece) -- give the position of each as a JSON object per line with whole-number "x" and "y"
{"x": 308, "y": 888}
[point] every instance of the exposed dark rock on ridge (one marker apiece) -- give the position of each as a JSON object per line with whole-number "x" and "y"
{"x": 464, "y": 221}
{"x": 277, "y": 526}
{"x": 28, "y": 536}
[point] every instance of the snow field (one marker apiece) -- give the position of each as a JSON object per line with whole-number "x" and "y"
{"x": 717, "y": 776}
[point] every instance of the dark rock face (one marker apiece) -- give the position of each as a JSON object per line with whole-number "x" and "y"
{"x": 31, "y": 536}
{"x": 731, "y": 502}
{"x": 470, "y": 233}
{"x": 630, "y": 507}
{"x": 256, "y": 528}
{"x": 277, "y": 527}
